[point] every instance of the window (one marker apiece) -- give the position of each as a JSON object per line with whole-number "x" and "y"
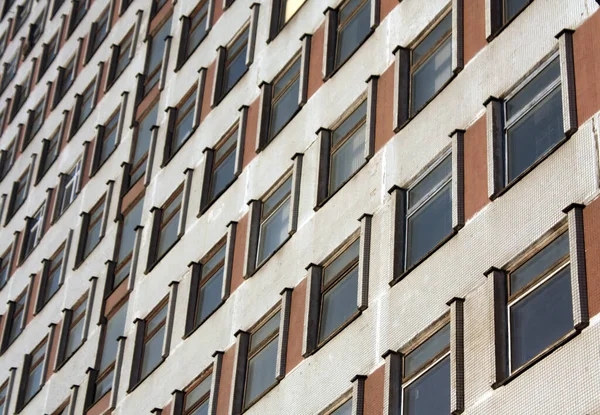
{"x": 220, "y": 167}
{"x": 540, "y": 308}
{"x": 21, "y": 95}
{"x": 126, "y": 241}
{"x": 85, "y": 105}
{"x": 21, "y": 15}
{"x": 431, "y": 64}
{"x": 10, "y": 69}
{"x": 3, "y": 396}
{"x": 69, "y": 188}
{"x": 429, "y": 212}
{"x": 50, "y": 151}
{"x": 56, "y": 6}
{"x": 98, "y": 33}
{"x": 426, "y": 376}
{"x": 533, "y": 120}
{"x": 195, "y": 29}
{"x": 197, "y": 397}
{"x": 283, "y": 10}
{"x": 343, "y": 409}
{"x": 154, "y": 335}
{"x": 74, "y": 333}
{"x": 5, "y": 261}
{"x": 48, "y": 55}
{"x": 112, "y": 330}
{"x": 35, "y": 32}
{"x": 210, "y": 286}
{"x": 3, "y": 38}
{"x": 156, "y": 6}
{"x": 285, "y": 98}
{"x": 66, "y": 77}
{"x": 262, "y": 360}
{"x": 108, "y": 142}
{"x": 347, "y": 148}
{"x": 91, "y": 232}
{"x": 353, "y": 27}
{"x": 141, "y": 144}
{"x": 18, "y": 195}
{"x": 339, "y": 287}
{"x": 63, "y": 410}
{"x": 168, "y": 232}
{"x": 33, "y": 376}
{"x": 234, "y": 66}
{"x": 184, "y": 123}
{"x": 36, "y": 119}
{"x": 51, "y": 277}
{"x": 17, "y": 321}
{"x": 155, "y": 54}
{"x": 8, "y": 159}
{"x": 34, "y": 230}
{"x": 274, "y": 220}
{"x": 78, "y": 12}
{"x": 121, "y": 57}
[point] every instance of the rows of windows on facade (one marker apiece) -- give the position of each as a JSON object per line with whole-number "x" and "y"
{"x": 533, "y": 109}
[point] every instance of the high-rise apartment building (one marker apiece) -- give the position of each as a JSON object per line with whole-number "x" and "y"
{"x": 366, "y": 207}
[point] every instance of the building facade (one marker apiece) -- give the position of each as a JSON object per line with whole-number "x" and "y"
{"x": 299, "y": 207}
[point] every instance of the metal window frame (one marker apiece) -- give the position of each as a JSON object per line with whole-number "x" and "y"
{"x": 191, "y": 27}
{"x": 147, "y": 336}
{"x": 205, "y": 375}
{"x": 204, "y": 279}
{"x": 276, "y": 98}
{"x": 340, "y": 26}
{"x": 215, "y": 163}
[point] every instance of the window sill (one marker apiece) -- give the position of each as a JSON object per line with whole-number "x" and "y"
{"x": 423, "y": 259}
{"x": 341, "y": 65}
{"x": 528, "y": 170}
{"x": 426, "y": 104}
{"x": 337, "y": 331}
{"x": 204, "y": 209}
{"x": 150, "y": 267}
{"x": 548, "y": 351}
{"x": 140, "y": 381}
{"x": 192, "y": 331}
{"x": 322, "y": 202}
{"x": 271, "y": 255}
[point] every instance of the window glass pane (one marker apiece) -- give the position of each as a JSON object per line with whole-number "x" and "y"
{"x": 347, "y": 159}
{"x": 152, "y": 353}
{"x": 198, "y": 392}
{"x": 265, "y": 331}
{"x": 543, "y": 80}
{"x": 437, "y": 176}
{"x": 285, "y": 107}
{"x": 235, "y": 66}
{"x": 183, "y": 129}
{"x": 93, "y": 237}
{"x": 158, "y": 46}
{"x": 168, "y": 236}
{"x": 114, "y": 328}
{"x": 213, "y": 262}
{"x": 261, "y": 371}
{"x": 198, "y": 24}
{"x": 292, "y": 72}
{"x": 347, "y": 257}
{"x": 132, "y": 219}
{"x": 429, "y": 349}
{"x": 201, "y": 410}
{"x": 429, "y": 394}
{"x": 74, "y": 338}
{"x": 534, "y": 134}
{"x": 349, "y": 124}
{"x": 345, "y": 409}
{"x": 429, "y": 225}
{"x": 354, "y": 32}
{"x": 104, "y": 385}
{"x": 541, "y": 318}
{"x": 52, "y": 284}
{"x": 431, "y": 75}
{"x": 223, "y": 175}
{"x": 209, "y": 297}
{"x": 291, "y": 7}
{"x": 512, "y": 7}
{"x": 158, "y": 319}
{"x": 541, "y": 262}
{"x": 33, "y": 383}
{"x": 272, "y": 201}
{"x": 274, "y": 231}
{"x": 433, "y": 38}
{"x": 339, "y": 304}
{"x": 143, "y": 135}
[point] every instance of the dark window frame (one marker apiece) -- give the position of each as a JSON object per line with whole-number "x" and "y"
{"x": 70, "y": 321}
{"x": 39, "y": 226}
{"x": 13, "y": 208}
{"x": 5, "y": 266}
{"x": 185, "y": 107}
{"x": 206, "y": 375}
{"x": 126, "y": 261}
{"x": 160, "y": 222}
{"x": 120, "y": 53}
{"x": 50, "y": 148}
{"x": 225, "y": 59}
{"x": 76, "y": 16}
{"x": 75, "y": 182}
{"x": 186, "y": 49}
{"x": 28, "y": 368}
{"x": 147, "y": 336}
{"x": 271, "y": 135}
{"x": 46, "y": 57}
{"x": 50, "y": 267}
{"x": 105, "y": 131}
{"x": 95, "y": 216}
{"x": 277, "y": 20}
{"x": 99, "y": 26}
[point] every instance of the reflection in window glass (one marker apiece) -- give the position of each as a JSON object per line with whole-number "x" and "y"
{"x": 274, "y": 221}
{"x": 354, "y": 24}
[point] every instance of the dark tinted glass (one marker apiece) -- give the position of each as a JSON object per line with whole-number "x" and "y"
{"x": 339, "y": 304}
{"x": 535, "y": 134}
{"x": 168, "y": 235}
{"x": 261, "y": 371}
{"x": 349, "y": 255}
{"x": 541, "y": 318}
{"x": 429, "y": 225}
{"x": 430, "y": 393}
{"x": 354, "y": 28}
{"x": 132, "y": 219}
{"x": 196, "y": 394}
{"x": 512, "y": 7}
{"x": 74, "y": 339}
{"x": 544, "y": 260}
